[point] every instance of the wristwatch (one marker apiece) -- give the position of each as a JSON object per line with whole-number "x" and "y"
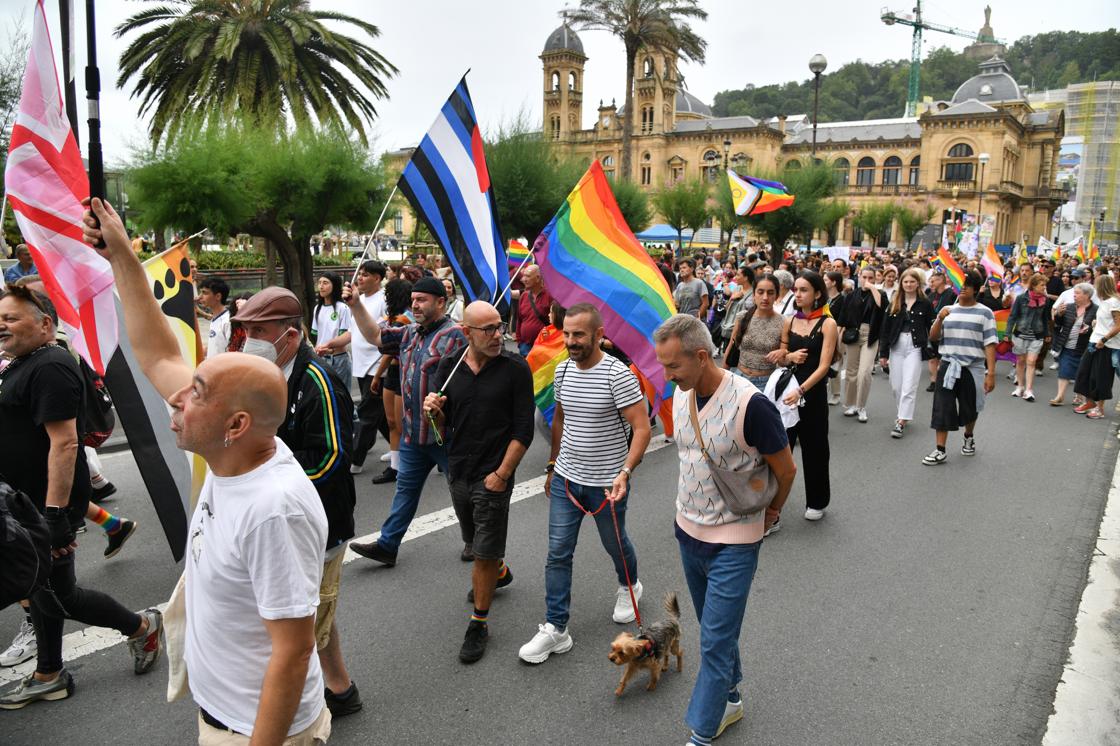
{"x": 627, "y": 471}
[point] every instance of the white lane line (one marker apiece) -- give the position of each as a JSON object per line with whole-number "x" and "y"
{"x": 95, "y": 639}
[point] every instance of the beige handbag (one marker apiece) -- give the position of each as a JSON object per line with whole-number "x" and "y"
{"x": 174, "y": 641}
{"x": 745, "y": 491}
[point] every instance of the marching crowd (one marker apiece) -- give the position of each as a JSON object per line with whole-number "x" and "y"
{"x": 761, "y": 348}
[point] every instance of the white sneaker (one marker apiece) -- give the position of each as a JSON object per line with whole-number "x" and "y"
{"x": 356, "y": 468}
{"x": 834, "y": 400}
{"x": 1053, "y": 366}
{"x": 23, "y": 647}
{"x": 812, "y": 514}
{"x": 623, "y": 609}
{"x": 851, "y": 411}
{"x": 546, "y": 642}
{"x": 732, "y": 713}
{"x": 385, "y": 457}
{"x": 1028, "y": 395}
{"x": 1018, "y": 391}
{"x": 861, "y": 415}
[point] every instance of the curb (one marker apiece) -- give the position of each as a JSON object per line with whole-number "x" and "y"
{"x": 1086, "y": 709}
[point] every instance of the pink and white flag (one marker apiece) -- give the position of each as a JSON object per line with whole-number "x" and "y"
{"x": 46, "y": 182}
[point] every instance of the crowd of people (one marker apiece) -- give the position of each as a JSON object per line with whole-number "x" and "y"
{"x": 763, "y": 344}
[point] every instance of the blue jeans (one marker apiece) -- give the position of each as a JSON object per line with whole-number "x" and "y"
{"x": 415, "y": 464}
{"x": 564, "y": 520}
{"x": 719, "y": 585}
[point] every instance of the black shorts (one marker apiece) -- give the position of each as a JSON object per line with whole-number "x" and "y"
{"x": 957, "y": 406}
{"x": 483, "y": 517}
{"x": 392, "y": 379}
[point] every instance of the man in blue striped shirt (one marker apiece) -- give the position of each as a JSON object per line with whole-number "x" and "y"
{"x": 967, "y": 372}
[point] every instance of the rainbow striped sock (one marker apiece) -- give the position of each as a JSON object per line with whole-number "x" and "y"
{"x": 108, "y": 522}
{"x": 503, "y": 571}
{"x": 480, "y": 615}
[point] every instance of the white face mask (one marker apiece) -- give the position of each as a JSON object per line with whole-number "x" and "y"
{"x": 262, "y": 347}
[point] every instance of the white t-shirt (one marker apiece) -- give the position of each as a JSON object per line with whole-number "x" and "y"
{"x": 1066, "y": 297}
{"x": 786, "y": 307}
{"x": 366, "y": 356}
{"x": 219, "y": 334}
{"x": 254, "y": 552}
{"x": 330, "y": 321}
{"x": 593, "y": 447}
{"x": 1105, "y": 323}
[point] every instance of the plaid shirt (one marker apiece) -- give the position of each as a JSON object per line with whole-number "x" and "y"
{"x": 421, "y": 351}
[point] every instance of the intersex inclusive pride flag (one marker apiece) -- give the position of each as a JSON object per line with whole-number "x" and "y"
{"x": 46, "y": 183}
{"x": 753, "y": 196}
{"x": 587, "y": 254}
{"x": 991, "y": 261}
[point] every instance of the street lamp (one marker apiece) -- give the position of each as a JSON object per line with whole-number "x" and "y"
{"x": 983, "y": 158}
{"x": 956, "y": 191}
{"x": 817, "y": 65}
{"x": 726, "y": 150}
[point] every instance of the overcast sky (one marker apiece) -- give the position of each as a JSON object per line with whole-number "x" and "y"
{"x": 432, "y": 42}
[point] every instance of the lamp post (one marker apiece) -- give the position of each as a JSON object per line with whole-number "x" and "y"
{"x": 983, "y": 158}
{"x": 726, "y": 150}
{"x": 956, "y": 191}
{"x": 817, "y": 65}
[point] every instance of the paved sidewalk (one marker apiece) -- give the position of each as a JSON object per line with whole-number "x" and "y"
{"x": 1087, "y": 702}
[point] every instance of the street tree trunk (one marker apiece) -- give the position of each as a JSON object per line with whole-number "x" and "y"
{"x": 628, "y": 119}
{"x": 298, "y": 269}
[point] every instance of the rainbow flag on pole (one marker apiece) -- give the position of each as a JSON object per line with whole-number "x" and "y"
{"x": 953, "y": 270}
{"x": 516, "y": 253}
{"x": 753, "y": 196}
{"x": 991, "y": 261}
{"x": 587, "y": 254}
{"x": 548, "y": 352}
{"x": 1001, "y": 333}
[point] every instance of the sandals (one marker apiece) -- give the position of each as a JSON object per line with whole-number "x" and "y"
{"x": 1095, "y": 413}
{"x": 1056, "y": 402}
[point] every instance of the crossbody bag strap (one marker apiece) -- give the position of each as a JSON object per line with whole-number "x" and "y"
{"x": 696, "y": 426}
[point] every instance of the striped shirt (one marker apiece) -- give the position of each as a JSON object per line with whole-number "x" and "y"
{"x": 966, "y": 331}
{"x": 594, "y": 443}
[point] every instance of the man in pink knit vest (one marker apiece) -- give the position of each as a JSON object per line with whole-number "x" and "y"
{"x": 741, "y": 429}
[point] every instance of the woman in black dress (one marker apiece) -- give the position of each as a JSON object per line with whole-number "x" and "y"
{"x": 809, "y": 342}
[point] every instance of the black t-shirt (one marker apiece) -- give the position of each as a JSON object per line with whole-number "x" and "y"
{"x": 45, "y": 386}
{"x": 1055, "y": 286}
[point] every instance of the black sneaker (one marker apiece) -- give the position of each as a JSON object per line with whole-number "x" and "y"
{"x": 103, "y": 493}
{"x": 117, "y": 540}
{"x": 344, "y": 704}
{"x": 931, "y": 387}
{"x": 474, "y": 642}
{"x": 502, "y": 583}
{"x": 389, "y": 475}
{"x": 375, "y": 551}
{"x": 467, "y": 555}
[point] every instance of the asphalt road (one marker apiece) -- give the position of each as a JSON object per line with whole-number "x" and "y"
{"x": 933, "y": 605}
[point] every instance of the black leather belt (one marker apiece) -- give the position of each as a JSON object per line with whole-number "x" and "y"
{"x": 213, "y": 722}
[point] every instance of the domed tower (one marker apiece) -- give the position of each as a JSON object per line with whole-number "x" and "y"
{"x": 656, "y": 90}
{"x": 562, "y": 62}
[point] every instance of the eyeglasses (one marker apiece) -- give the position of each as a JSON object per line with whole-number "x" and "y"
{"x": 489, "y": 330}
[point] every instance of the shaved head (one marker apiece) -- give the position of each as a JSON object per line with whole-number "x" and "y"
{"x": 254, "y": 385}
{"x": 481, "y": 313}
{"x": 484, "y": 329}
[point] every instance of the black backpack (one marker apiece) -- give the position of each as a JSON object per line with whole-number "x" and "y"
{"x": 25, "y": 547}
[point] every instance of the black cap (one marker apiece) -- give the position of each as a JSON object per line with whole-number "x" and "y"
{"x": 431, "y": 286}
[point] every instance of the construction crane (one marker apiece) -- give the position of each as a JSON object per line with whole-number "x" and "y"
{"x": 890, "y": 18}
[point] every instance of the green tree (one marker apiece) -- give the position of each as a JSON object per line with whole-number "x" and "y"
{"x": 828, "y": 217}
{"x": 910, "y": 221}
{"x": 722, "y": 210}
{"x": 633, "y": 203}
{"x": 285, "y": 190}
{"x": 683, "y": 205}
{"x": 809, "y": 185}
{"x": 206, "y": 62}
{"x": 13, "y": 61}
{"x": 874, "y": 220}
{"x": 648, "y": 24}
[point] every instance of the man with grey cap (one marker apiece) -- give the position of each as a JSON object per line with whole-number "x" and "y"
{"x": 423, "y": 346}
{"x": 318, "y": 428}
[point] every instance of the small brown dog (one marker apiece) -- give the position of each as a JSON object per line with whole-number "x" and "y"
{"x": 651, "y": 650}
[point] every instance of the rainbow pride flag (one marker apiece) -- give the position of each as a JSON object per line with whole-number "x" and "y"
{"x": 548, "y": 352}
{"x": 516, "y": 253}
{"x": 753, "y": 196}
{"x": 665, "y": 411}
{"x": 991, "y": 261}
{"x": 1001, "y": 332}
{"x": 587, "y": 254}
{"x": 953, "y": 270}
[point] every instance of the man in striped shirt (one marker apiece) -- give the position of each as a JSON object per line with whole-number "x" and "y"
{"x": 967, "y": 372}
{"x": 600, "y": 431}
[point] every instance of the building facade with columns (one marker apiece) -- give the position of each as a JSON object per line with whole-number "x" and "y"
{"x": 986, "y": 150}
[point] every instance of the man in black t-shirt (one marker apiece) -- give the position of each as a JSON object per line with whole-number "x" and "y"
{"x": 40, "y": 406}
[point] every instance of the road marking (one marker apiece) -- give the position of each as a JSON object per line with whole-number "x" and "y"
{"x": 95, "y": 639}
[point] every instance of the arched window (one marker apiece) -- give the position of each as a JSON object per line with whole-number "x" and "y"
{"x": 607, "y": 161}
{"x": 959, "y": 165}
{"x": 573, "y": 81}
{"x": 865, "y": 172}
{"x": 793, "y": 165}
{"x": 841, "y": 170}
{"x": 709, "y": 165}
{"x": 647, "y": 68}
{"x": 647, "y": 169}
{"x": 555, "y": 80}
{"x": 555, "y": 126}
{"x": 892, "y": 169}
{"x": 915, "y": 170}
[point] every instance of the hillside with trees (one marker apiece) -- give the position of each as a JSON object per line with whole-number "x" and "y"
{"x": 863, "y": 90}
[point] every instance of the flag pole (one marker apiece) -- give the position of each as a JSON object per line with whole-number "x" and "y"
{"x": 512, "y": 277}
{"x": 93, "y": 101}
{"x": 66, "y": 24}
{"x": 373, "y": 236}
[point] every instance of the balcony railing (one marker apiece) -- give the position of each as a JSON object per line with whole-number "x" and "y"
{"x": 961, "y": 186}
{"x": 1013, "y": 187}
{"x": 878, "y": 188}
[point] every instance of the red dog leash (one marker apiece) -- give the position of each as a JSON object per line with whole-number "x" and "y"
{"x": 618, "y": 538}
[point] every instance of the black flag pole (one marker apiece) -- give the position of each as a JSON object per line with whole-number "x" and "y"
{"x": 66, "y": 22}
{"x": 93, "y": 100}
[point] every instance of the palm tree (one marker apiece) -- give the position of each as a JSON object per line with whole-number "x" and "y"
{"x": 206, "y": 62}
{"x": 650, "y": 24}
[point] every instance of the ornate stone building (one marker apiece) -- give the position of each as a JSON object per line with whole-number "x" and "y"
{"x": 936, "y": 159}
